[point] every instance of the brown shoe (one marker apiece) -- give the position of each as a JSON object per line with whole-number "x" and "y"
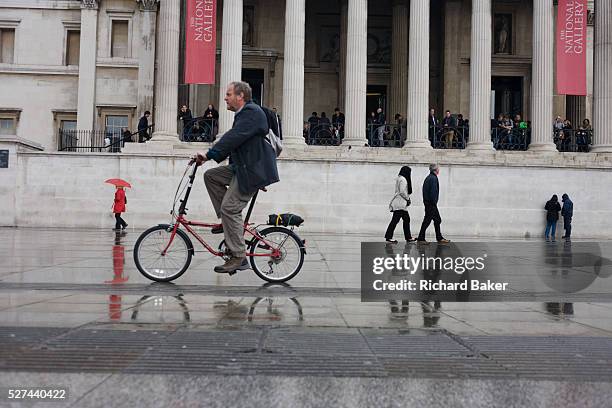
{"x": 422, "y": 242}
{"x": 232, "y": 265}
{"x": 443, "y": 241}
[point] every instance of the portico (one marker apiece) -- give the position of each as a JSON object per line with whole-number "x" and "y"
{"x": 463, "y": 85}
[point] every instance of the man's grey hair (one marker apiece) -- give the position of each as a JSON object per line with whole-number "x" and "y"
{"x": 242, "y": 88}
{"x": 433, "y": 167}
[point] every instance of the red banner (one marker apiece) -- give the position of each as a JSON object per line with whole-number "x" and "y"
{"x": 200, "y": 41}
{"x": 571, "y": 47}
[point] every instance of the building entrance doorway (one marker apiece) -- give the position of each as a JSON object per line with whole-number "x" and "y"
{"x": 255, "y": 78}
{"x": 376, "y": 97}
{"x": 508, "y": 95}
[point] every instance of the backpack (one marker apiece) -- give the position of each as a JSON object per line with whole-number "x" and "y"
{"x": 274, "y": 136}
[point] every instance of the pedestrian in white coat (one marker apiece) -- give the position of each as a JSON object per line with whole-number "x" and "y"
{"x": 399, "y": 205}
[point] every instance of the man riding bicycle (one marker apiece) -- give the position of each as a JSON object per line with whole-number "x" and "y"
{"x": 252, "y": 165}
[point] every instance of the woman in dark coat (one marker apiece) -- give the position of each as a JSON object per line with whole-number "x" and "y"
{"x": 399, "y": 205}
{"x": 211, "y": 117}
{"x": 552, "y": 208}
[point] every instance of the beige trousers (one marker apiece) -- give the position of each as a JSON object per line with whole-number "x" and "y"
{"x": 228, "y": 203}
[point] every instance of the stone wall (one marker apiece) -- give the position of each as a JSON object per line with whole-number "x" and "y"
{"x": 336, "y": 190}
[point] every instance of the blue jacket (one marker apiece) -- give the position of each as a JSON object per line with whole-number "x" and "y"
{"x": 252, "y": 158}
{"x": 431, "y": 189}
{"x": 568, "y": 208}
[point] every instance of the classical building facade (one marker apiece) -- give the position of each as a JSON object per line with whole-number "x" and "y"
{"x": 99, "y": 64}
{"x": 75, "y": 64}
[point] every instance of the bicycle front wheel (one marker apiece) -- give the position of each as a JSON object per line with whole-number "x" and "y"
{"x": 156, "y": 265}
{"x": 280, "y": 268}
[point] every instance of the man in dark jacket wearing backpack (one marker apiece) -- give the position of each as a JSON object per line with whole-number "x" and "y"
{"x": 252, "y": 165}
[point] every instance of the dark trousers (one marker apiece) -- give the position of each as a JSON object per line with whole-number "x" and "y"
{"x": 119, "y": 222}
{"x": 397, "y": 215}
{"x": 431, "y": 214}
{"x": 567, "y": 226}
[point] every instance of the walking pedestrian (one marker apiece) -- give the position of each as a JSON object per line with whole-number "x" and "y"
{"x": 143, "y": 127}
{"x": 399, "y": 205}
{"x": 252, "y": 166}
{"x": 567, "y": 212}
{"x": 552, "y": 208}
{"x": 431, "y": 193}
{"x": 119, "y": 207}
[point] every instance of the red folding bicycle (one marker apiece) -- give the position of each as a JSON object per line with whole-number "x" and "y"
{"x": 163, "y": 252}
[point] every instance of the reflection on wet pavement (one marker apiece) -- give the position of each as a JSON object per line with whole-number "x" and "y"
{"x": 73, "y": 301}
{"x": 67, "y": 278}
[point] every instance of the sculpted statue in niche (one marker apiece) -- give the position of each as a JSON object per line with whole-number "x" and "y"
{"x": 331, "y": 48}
{"x": 379, "y": 46}
{"x": 247, "y": 25}
{"x": 503, "y": 34}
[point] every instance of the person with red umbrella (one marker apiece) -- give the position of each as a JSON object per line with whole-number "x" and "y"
{"x": 120, "y": 202}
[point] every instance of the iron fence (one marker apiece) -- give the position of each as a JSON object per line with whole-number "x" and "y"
{"x": 387, "y": 135}
{"x": 573, "y": 140}
{"x": 72, "y": 140}
{"x": 323, "y": 134}
{"x": 200, "y": 129}
{"x": 448, "y": 137}
{"x": 511, "y": 139}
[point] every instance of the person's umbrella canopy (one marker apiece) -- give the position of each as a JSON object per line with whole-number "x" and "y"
{"x": 117, "y": 182}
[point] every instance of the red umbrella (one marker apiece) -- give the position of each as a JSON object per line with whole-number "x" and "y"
{"x": 117, "y": 182}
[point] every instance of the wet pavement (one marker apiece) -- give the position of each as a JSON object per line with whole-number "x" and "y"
{"x": 75, "y": 311}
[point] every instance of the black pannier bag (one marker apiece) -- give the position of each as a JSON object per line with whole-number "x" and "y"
{"x": 285, "y": 219}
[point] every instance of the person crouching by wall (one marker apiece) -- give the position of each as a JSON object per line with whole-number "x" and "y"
{"x": 552, "y": 208}
{"x": 118, "y": 208}
{"x": 399, "y": 205}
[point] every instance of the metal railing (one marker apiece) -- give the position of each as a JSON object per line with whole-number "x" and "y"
{"x": 448, "y": 137}
{"x": 573, "y": 140}
{"x": 71, "y": 140}
{"x": 323, "y": 134}
{"x": 387, "y": 135}
{"x": 511, "y": 139}
{"x": 200, "y": 129}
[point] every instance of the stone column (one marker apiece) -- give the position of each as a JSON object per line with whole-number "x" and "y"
{"x": 293, "y": 72}
{"x": 480, "y": 76}
{"x": 398, "y": 96}
{"x": 418, "y": 76}
{"x": 357, "y": 73}
{"x": 342, "y": 68}
{"x": 542, "y": 85}
{"x": 146, "y": 55}
{"x": 87, "y": 65}
{"x": 231, "y": 57}
{"x": 166, "y": 85}
{"x": 575, "y": 109}
{"x": 602, "y": 81}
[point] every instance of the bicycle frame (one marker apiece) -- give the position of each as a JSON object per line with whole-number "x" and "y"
{"x": 187, "y": 224}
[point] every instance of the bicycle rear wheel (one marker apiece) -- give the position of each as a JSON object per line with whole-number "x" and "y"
{"x": 287, "y": 264}
{"x": 162, "y": 267}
